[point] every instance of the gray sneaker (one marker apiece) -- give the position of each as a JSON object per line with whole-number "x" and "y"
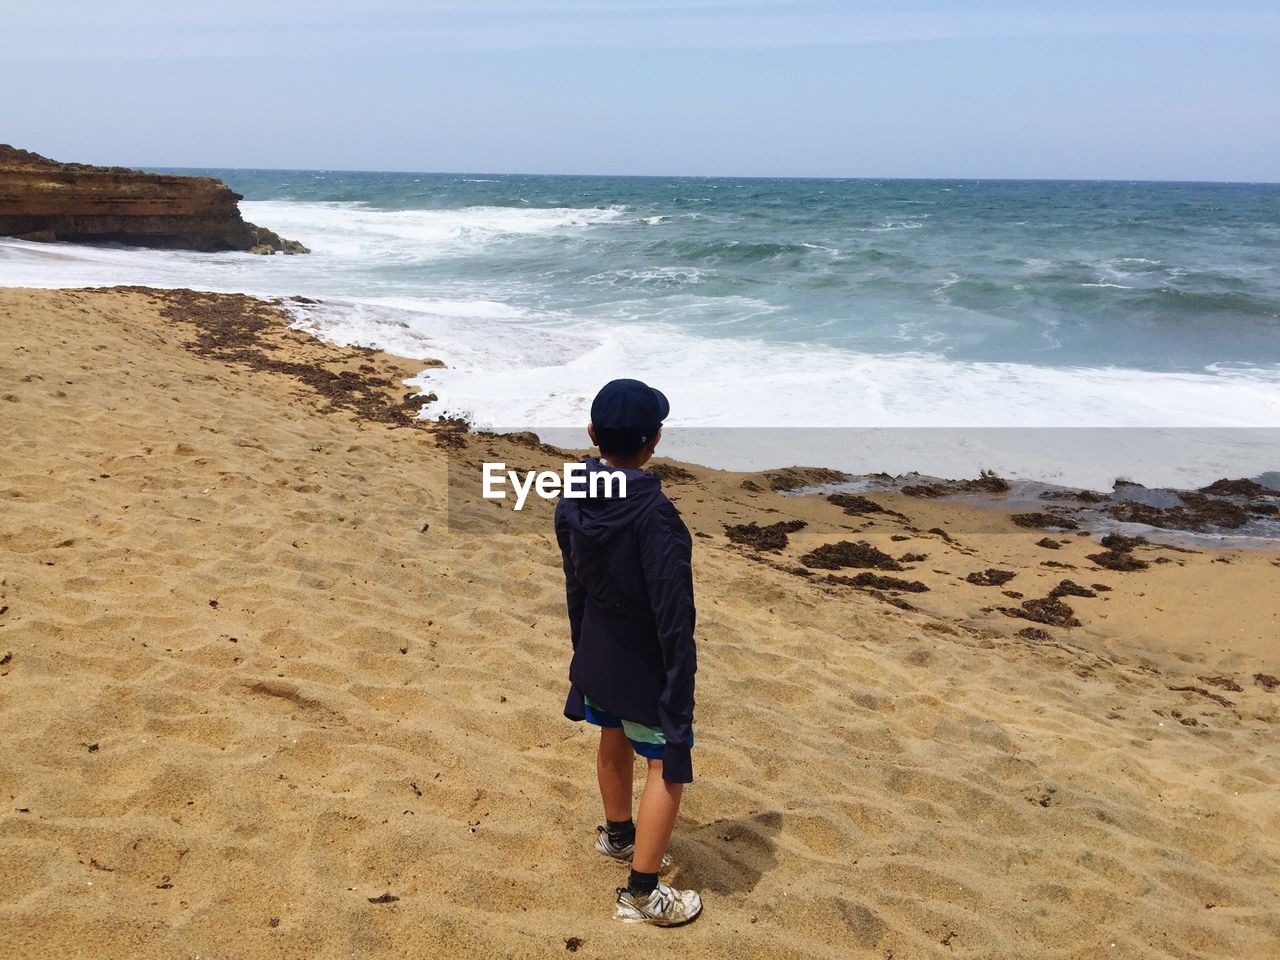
{"x": 622, "y": 852}
{"x": 665, "y": 907}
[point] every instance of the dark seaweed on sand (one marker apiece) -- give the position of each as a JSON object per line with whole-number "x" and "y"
{"x": 1208, "y": 694}
{"x": 1043, "y": 521}
{"x": 230, "y": 328}
{"x": 1200, "y": 511}
{"x": 670, "y": 473}
{"x": 1121, "y": 561}
{"x": 986, "y": 482}
{"x": 1083, "y": 496}
{"x": 855, "y": 504}
{"x": 834, "y": 556}
{"x": 925, "y": 490}
{"x": 1224, "y": 683}
{"x": 877, "y": 581}
{"x": 991, "y": 577}
{"x": 1047, "y": 610}
{"x": 1237, "y": 488}
{"x": 771, "y": 537}
{"x": 793, "y": 478}
{"x": 1118, "y": 541}
{"x": 1069, "y": 588}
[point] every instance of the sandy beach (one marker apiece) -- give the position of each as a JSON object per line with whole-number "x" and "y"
{"x": 273, "y": 684}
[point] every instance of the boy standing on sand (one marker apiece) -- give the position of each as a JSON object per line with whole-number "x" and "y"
{"x": 629, "y": 582}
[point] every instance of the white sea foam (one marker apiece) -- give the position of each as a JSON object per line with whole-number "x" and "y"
{"x": 777, "y": 392}
{"x": 738, "y": 383}
{"x": 358, "y": 232}
{"x": 511, "y": 365}
{"x": 350, "y": 242}
{"x": 750, "y": 404}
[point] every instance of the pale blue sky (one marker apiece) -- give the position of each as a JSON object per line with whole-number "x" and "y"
{"x": 1129, "y": 90}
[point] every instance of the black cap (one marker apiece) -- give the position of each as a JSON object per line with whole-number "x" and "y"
{"x": 629, "y": 409}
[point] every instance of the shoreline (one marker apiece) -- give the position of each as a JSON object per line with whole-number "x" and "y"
{"x": 1209, "y": 519}
{"x": 419, "y": 370}
{"x": 989, "y": 506}
{"x": 1216, "y": 510}
{"x": 485, "y": 341}
{"x": 268, "y": 660}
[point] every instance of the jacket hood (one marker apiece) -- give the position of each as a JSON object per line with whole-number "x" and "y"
{"x": 601, "y": 518}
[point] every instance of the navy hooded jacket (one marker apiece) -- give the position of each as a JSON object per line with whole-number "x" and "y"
{"x": 629, "y": 584}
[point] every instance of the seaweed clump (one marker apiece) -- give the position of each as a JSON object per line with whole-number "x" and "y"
{"x": 986, "y": 482}
{"x": 835, "y": 556}
{"x": 771, "y": 537}
{"x": 1119, "y": 560}
{"x": 990, "y": 577}
{"x": 869, "y": 580}
{"x": 1047, "y": 610}
{"x": 1197, "y": 512}
{"x": 1119, "y": 553}
{"x": 1236, "y": 488}
{"x": 1043, "y": 521}
{"x": 855, "y": 504}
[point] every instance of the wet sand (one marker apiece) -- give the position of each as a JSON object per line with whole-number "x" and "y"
{"x": 268, "y": 690}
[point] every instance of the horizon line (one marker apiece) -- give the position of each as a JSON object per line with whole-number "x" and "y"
{"x": 706, "y": 176}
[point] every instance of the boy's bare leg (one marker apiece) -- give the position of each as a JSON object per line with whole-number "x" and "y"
{"x": 614, "y": 768}
{"x": 659, "y": 805}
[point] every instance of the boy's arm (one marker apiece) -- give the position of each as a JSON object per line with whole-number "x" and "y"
{"x": 576, "y": 598}
{"x": 666, "y": 553}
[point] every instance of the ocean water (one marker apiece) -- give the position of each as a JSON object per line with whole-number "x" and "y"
{"x": 821, "y": 304}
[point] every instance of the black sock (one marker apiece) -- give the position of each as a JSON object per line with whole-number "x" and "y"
{"x": 621, "y": 832}
{"x": 642, "y": 884}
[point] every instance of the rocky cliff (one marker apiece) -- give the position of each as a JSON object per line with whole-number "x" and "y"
{"x": 41, "y": 199}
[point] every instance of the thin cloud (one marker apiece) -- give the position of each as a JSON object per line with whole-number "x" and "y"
{"x": 145, "y": 29}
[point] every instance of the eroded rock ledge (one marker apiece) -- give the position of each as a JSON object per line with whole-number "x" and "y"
{"x": 44, "y": 200}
